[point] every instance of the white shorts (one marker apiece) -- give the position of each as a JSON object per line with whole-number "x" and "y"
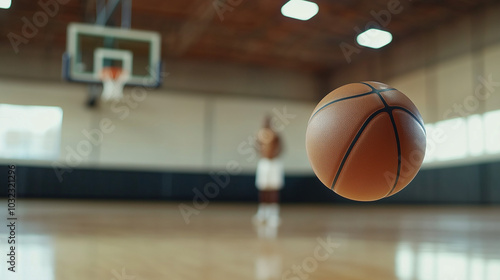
{"x": 270, "y": 175}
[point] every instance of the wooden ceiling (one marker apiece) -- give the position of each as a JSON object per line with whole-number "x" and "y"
{"x": 249, "y": 32}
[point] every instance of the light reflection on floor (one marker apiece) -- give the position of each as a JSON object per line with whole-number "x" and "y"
{"x": 427, "y": 261}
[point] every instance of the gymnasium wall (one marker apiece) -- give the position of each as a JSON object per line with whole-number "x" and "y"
{"x": 205, "y": 116}
{"x": 163, "y": 129}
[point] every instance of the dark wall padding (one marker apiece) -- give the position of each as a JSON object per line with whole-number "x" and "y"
{"x": 473, "y": 184}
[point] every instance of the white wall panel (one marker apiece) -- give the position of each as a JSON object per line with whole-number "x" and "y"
{"x": 454, "y": 85}
{"x": 491, "y": 90}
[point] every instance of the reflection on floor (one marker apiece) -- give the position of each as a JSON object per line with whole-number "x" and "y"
{"x": 68, "y": 240}
{"x": 443, "y": 261}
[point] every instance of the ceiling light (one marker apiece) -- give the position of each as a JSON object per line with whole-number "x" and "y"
{"x": 374, "y": 38}
{"x": 5, "y": 4}
{"x": 300, "y": 9}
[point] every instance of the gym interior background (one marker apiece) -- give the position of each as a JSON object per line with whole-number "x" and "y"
{"x": 207, "y": 111}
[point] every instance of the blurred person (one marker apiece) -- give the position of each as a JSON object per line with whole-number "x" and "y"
{"x": 269, "y": 177}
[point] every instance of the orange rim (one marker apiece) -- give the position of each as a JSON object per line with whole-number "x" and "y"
{"x": 111, "y": 72}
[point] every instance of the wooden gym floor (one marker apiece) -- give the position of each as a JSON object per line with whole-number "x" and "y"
{"x": 77, "y": 240}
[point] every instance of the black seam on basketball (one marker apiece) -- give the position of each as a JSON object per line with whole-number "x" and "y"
{"x": 353, "y": 142}
{"x": 351, "y": 97}
{"x": 398, "y": 144}
{"x": 367, "y": 84}
{"x": 383, "y": 100}
{"x": 377, "y": 90}
{"x": 341, "y": 99}
{"x": 394, "y": 107}
{"x": 412, "y": 115}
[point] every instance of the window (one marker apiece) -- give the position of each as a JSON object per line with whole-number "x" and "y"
{"x": 492, "y": 131}
{"x": 30, "y": 132}
{"x": 472, "y": 137}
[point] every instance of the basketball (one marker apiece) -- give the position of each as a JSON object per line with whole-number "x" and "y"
{"x": 365, "y": 141}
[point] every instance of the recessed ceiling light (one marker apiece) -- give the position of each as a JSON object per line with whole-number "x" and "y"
{"x": 300, "y": 9}
{"x": 5, "y": 4}
{"x": 374, "y": 38}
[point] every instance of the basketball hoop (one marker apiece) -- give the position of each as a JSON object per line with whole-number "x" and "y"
{"x": 113, "y": 81}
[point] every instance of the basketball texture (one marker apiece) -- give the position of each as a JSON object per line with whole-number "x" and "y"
{"x": 365, "y": 141}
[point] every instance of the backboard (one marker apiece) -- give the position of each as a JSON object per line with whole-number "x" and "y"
{"x": 90, "y": 48}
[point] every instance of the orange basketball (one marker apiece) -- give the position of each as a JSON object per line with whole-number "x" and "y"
{"x": 365, "y": 141}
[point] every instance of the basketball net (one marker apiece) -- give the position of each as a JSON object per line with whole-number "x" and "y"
{"x": 113, "y": 81}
